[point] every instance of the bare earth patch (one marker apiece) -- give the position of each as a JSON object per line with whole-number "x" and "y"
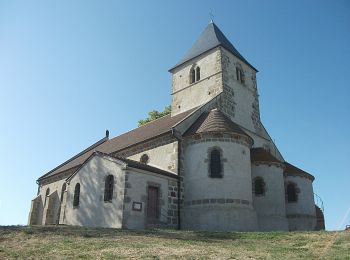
{"x": 98, "y": 243}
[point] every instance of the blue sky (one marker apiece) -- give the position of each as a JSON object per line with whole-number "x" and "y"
{"x": 69, "y": 70}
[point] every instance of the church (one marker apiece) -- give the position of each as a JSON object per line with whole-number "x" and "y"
{"x": 209, "y": 165}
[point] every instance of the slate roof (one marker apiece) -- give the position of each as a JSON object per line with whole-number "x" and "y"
{"x": 214, "y": 121}
{"x": 210, "y": 38}
{"x": 261, "y": 155}
{"x": 148, "y": 131}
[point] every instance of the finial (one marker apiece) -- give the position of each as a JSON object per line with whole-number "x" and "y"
{"x": 107, "y": 133}
{"x": 211, "y": 17}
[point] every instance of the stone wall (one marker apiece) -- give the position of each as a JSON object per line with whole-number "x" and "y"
{"x": 93, "y": 211}
{"x": 54, "y": 184}
{"x": 301, "y": 214}
{"x": 270, "y": 206}
{"x": 162, "y": 152}
{"x": 136, "y": 192}
{"x": 186, "y": 95}
{"x": 212, "y": 203}
{"x": 36, "y": 211}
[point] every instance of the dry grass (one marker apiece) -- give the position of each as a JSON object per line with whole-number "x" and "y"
{"x": 76, "y": 242}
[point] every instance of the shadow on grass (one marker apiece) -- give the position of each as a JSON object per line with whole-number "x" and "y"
{"x": 86, "y": 232}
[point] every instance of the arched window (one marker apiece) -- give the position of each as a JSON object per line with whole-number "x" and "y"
{"x": 109, "y": 184}
{"x": 198, "y": 73}
{"x": 192, "y": 76}
{"x": 292, "y": 192}
{"x": 144, "y": 158}
{"x": 259, "y": 186}
{"x": 195, "y": 74}
{"x": 46, "y": 195}
{"x": 62, "y": 191}
{"x": 215, "y": 164}
{"x": 76, "y": 195}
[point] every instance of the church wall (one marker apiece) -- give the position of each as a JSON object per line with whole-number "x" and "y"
{"x": 245, "y": 97}
{"x": 163, "y": 157}
{"x": 240, "y": 101}
{"x": 185, "y": 95}
{"x": 137, "y": 185}
{"x": 270, "y": 207}
{"x": 212, "y": 203}
{"x": 54, "y": 186}
{"x": 93, "y": 211}
{"x": 301, "y": 214}
{"x": 161, "y": 150}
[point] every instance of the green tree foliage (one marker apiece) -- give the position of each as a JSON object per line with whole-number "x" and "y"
{"x": 154, "y": 114}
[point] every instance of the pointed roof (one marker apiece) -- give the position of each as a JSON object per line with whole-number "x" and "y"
{"x": 214, "y": 121}
{"x": 210, "y": 38}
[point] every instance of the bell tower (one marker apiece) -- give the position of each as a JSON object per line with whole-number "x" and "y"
{"x": 213, "y": 66}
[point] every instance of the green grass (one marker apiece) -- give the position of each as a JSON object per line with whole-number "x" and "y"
{"x": 102, "y": 243}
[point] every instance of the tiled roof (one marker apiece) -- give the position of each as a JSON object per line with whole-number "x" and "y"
{"x": 214, "y": 121}
{"x": 293, "y": 170}
{"x": 261, "y": 155}
{"x": 210, "y": 38}
{"x": 148, "y": 131}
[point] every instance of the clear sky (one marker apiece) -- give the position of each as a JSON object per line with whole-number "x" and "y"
{"x": 69, "y": 70}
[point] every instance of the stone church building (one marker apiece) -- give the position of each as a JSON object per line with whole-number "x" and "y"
{"x": 209, "y": 165}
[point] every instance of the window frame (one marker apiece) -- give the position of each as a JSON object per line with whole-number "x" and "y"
{"x": 295, "y": 197}
{"x": 262, "y": 188}
{"x": 109, "y": 188}
{"x": 76, "y": 196}
{"x": 219, "y": 163}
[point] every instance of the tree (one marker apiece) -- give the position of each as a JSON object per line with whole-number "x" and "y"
{"x": 154, "y": 114}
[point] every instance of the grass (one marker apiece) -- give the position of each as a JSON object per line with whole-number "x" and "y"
{"x": 100, "y": 243}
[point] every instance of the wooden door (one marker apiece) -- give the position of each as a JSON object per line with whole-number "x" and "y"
{"x": 152, "y": 203}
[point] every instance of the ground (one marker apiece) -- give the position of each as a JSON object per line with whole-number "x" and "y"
{"x": 77, "y": 242}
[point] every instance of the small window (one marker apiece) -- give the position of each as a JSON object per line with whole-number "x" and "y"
{"x": 76, "y": 195}
{"x": 195, "y": 74}
{"x": 144, "y": 158}
{"x": 240, "y": 74}
{"x": 198, "y": 73}
{"x": 46, "y": 195}
{"x": 259, "y": 186}
{"x": 215, "y": 164}
{"x": 292, "y": 192}
{"x": 109, "y": 184}
{"x": 192, "y": 76}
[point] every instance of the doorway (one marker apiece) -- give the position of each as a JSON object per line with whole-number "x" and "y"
{"x": 153, "y": 203}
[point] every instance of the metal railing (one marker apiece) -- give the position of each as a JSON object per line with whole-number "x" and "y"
{"x": 318, "y": 202}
